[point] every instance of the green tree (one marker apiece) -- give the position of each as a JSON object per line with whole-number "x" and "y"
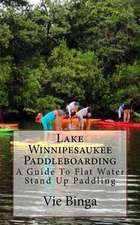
{"x": 14, "y": 3}
{"x": 5, "y": 72}
{"x": 126, "y": 84}
{"x": 73, "y": 73}
{"x": 89, "y": 49}
{"x": 108, "y": 27}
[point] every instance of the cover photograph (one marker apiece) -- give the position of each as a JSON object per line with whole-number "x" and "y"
{"x": 70, "y": 112}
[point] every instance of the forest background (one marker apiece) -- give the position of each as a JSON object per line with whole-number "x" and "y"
{"x": 58, "y": 51}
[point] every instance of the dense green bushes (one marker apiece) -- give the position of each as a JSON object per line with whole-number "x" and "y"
{"x": 86, "y": 49}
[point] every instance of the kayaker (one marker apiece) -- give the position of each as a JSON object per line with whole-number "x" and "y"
{"x": 126, "y": 113}
{"x": 125, "y": 109}
{"x": 85, "y": 112}
{"x": 38, "y": 117}
{"x": 48, "y": 120}
{"x": 72, "y": 108}
{"x": 120, "y": 111}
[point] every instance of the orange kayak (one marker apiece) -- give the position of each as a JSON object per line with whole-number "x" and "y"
{"x": 75, "y": 120}
{"x": 8, "y": 125}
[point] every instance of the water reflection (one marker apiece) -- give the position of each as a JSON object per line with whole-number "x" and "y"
{"x": 6, "y": 199}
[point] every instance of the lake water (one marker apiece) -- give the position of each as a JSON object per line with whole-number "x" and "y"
{"x": 6, "y": 188}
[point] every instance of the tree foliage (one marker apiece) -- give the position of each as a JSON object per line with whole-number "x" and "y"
{"x": 126, "y": 82}
{"x": 89, "y": 49}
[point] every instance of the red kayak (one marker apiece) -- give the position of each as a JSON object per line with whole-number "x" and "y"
{"x": 105, "y": 123}
{"x": 112, "y": 123}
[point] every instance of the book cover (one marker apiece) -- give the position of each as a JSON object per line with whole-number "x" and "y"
{"x": 69, "y": 112}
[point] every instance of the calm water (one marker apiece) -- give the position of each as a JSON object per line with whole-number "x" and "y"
{"x": 6, "y": 189}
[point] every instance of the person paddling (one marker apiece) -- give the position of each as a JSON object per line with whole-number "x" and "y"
{"x": 48, "y": 120}
{"x": 125, "y": 109}
{"x": 126, "y": 113}
{"x": 72, "y": 108}
{"x": 85, "y": 112}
